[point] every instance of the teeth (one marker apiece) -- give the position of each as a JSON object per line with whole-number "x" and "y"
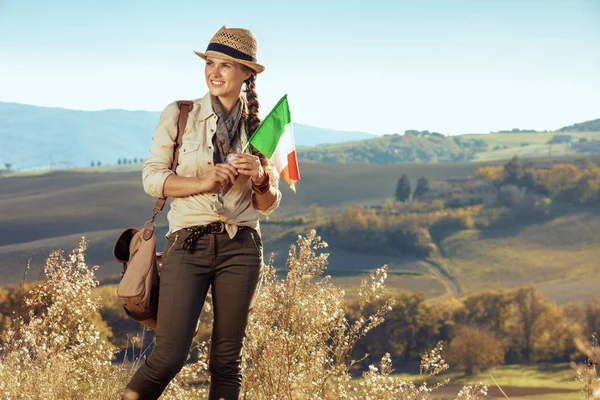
{"x": 217, "y": 82}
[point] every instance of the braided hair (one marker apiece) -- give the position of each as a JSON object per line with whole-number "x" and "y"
{"x": 252, "y": 116}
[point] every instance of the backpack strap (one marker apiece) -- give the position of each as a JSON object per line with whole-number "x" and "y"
{"x": 185, "y": 106}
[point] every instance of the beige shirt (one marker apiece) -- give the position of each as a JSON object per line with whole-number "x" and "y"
{"x": 196, "y": 160}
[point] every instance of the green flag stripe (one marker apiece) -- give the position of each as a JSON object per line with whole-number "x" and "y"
{"x": 266, "y": 137}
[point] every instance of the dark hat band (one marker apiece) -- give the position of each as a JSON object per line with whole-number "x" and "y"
{"x": 230, "y": 51}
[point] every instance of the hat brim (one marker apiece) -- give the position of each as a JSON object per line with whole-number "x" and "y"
{"x": 211, "y": 53}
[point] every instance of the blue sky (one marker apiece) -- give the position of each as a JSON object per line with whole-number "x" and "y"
{"x": 452, "y": 66}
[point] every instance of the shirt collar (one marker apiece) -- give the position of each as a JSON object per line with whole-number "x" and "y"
{"x": 205, "y": 107}
{"x": 206, "y": 111}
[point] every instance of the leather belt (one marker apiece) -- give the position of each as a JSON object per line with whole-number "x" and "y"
{"x": 213, "y": 227}
{"x": 197, "y": 231}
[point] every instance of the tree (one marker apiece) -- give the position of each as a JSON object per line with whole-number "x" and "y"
{"x": 98, "y": 163}
{"x": 403, "y": 189}
{"x": 474, "y": 349}
{"x": 410, "y": 326}
{"x": 514, "y": 171}
{"x": 422, "y": 188}
{"x": 8, "y": 167}
{"x": 119, "y": 162}
{"x": 530, "y": 305}
{"x": 496, "y": 174}
{"x": 92, "y": 164}
{"x": 554, "y": 336}
{"x": 592, "y": 317}
{"x": 490, "y": 310}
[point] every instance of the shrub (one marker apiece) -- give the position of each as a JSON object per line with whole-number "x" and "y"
{"x": 474, "y": 349}
{"x": 58, "y": 352}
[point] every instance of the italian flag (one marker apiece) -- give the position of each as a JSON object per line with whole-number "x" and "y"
{"x": 274, "y": 138}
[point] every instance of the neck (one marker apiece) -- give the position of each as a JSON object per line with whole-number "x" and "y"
{"x": 228, "y": 103}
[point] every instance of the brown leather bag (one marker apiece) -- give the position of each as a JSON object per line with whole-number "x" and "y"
{"x": 136, "y": 249}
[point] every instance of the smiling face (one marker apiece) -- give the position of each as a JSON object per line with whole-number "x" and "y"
{"x": 224, "y": 78}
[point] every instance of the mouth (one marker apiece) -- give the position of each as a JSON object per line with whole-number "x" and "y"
{"x": 217, "y": 83}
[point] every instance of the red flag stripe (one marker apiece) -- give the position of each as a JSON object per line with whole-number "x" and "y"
{"x": 292, "y": 167}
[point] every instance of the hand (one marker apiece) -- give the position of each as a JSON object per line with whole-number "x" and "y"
{"x": 248, "y": 164}
{"x": 219, "y": 175}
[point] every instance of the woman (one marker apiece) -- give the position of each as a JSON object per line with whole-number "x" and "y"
{"x": 214, "y": 238}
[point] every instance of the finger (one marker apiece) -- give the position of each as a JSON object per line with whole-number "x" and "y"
{"x": 228, "y": 167}
{"x": 246, "y": 172}
{"x": 246, "y": 157}
{"x": 226, "y": 174}
{"x": 243, "y": 165}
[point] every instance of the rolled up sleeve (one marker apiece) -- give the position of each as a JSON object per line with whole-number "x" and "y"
{"x": 273, "y": 206}
{"x": 274, "y": 178}
{"x": 157, "y": 166}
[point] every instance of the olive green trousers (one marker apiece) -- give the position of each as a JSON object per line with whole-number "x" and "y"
{"x": 232, "y": 269}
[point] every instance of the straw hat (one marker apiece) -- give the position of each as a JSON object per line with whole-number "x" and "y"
{"x": 235, "y": 44}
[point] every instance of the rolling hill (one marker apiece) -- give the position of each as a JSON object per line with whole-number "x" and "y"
{"x": 54, "y": 210}
{"x": 438, "y": 148}
{"x": 51, "y": 211}
{"x": 587, "y": 126}
{"x": 39, "y": 137}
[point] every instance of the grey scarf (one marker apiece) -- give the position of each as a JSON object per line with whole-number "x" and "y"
{"x": 227, "y": 138}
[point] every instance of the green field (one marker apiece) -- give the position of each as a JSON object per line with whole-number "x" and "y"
{"x": 527, "y": 144}
{"x": 520, "y": 382}
{"x": 432, "y": 148}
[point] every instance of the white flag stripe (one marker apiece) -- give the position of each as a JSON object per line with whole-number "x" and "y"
{"x": 284, "y": 147}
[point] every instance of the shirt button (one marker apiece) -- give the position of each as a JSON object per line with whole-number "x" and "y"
{"x": 210, "y": 147}
{"x": 210, "y": 162}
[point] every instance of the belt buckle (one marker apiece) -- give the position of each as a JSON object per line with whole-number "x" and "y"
{"x": 222, "y": 225}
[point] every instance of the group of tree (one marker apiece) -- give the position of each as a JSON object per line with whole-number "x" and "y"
{"x": 413, "y": 146}
{"x": 422, "y": 134}
{"x": 587, "y": 126}
{"x": 120, "y": 161}
{"x": 517, "y": 130}
{"x": 123, "y": 161}
{"x": 560, "y": 139}
{"x": 403, "y": 188}
{"x": 396, "y": 228}
{"x": 484, "y": 329}
{"x": 570, "y": 183}
{"x": 524, "y": 195}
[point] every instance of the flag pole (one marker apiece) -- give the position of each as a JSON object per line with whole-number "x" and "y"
{"x": 245, "y": 147}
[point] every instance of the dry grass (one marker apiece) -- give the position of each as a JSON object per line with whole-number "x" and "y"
{"x": 298, "y": 342}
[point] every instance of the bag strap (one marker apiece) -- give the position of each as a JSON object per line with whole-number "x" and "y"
{"x": 185, "y": 106}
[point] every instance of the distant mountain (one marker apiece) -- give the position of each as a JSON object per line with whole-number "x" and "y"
{"x": 36, "y": 137}
{"x": 588, "y": 126}
{"x": 306, "y": 135}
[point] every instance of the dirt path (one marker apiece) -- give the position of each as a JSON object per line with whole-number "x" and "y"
{"x": 448, "y": 281}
